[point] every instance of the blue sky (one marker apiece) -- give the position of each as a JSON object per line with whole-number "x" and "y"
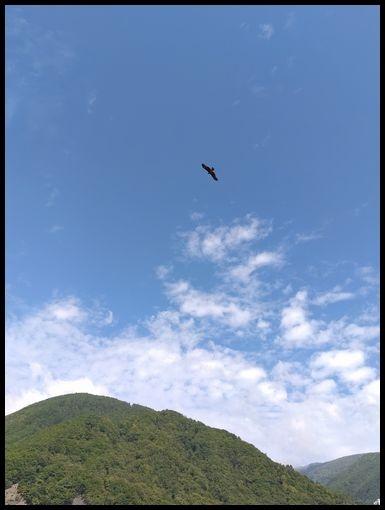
{"x": 123, "y": 256}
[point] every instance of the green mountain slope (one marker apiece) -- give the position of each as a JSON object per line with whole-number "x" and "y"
{"x": 111, "y": 452}
{"x": 356, "y": 475}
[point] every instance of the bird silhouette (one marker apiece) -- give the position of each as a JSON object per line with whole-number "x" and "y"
{"x": 211, "y": 171}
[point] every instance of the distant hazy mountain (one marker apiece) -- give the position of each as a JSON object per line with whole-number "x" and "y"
{"x": 110, "y": 452}
{"x": 356, "y": 475}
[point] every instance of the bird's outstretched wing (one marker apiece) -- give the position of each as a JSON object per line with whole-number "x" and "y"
{"x": 210, "y": 171}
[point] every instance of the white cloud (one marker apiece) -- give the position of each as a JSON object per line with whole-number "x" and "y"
{"x": 55, "y": 228}
{"x": 172, "y": 366}
{"x": 338, "y": 360}
{"x": 262, "y": 324}
{"x": 345, "y": 334}
{"x": 347, "y": 364}
{"x": 67, "y": 310}
{"x": 302, "y": 238}
{"x": 357, "y": 210}
{"x": 33, "y": 54}
{"x": 297, "y": 329}
{"x": 254, "y": 262}
{"x": 91, "y": 101}
{"x": 196, "y": 216}
{"x": 252, "y": 374}
{"x": 370, "y": 394}
{"x": 274, "y": 393}
{"x": 325, "y": 387}
{"x": 43, "y": 50}
{"x": 360, "y": 375}
{"x": 263, "y": 142}
{"x": 109, "y": 319}
{"x": 357, "y": 332}
{"x": 332, "y": 297}
{"x": 290, "y": 373}
{"x": 290, "y": 20}
{"x": 163, "y": 271}
{"x": 370, "y": 314}
{"x": 258, "y": 90}
{"x": 290, "y": 60}
{"x": 215, "y": 244}
{"x": 368, "y": 275}
{"x": 52, "y": 388}
{"x": 211, "y": 305}
{"x": 52, "y": 197}
{"x": 266, "y": 30}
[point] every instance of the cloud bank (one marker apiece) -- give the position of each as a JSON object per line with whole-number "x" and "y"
{"x": 300, "y": 386}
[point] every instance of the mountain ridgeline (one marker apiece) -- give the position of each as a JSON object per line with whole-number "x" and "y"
{"x": 110, "y": 452}
{"x": 357, "y": 475}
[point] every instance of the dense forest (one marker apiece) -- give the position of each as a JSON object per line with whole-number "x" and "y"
{"x": 357, "y": 475}
{"x": 111, "y": 452}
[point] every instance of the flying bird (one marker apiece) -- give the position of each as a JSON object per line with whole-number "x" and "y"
{"x": 211, "y": 171}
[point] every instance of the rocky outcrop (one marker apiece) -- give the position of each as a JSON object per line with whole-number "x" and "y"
{"x": 12, "y": 496}
{"x": 78, "y": 500}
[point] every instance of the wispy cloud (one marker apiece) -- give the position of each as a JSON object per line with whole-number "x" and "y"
{"x": 333, "y": 296}
{"x": 109, "y": 319}
{"x": 244, "y": 271}
{"x": 216, "y": 243}
{"x": 290, "y": 21}
{"x": 52, "y": 197}
{"x": 196, "y": 216}
{"x": 55, "y": 228}
{"x": 290, "y": 60}
{"x": 263, "y": 142}
{"x": 219, "y": 306}
{"x": 370, "y": 314}
{"x": 311, "y": 236}
{"x": 163, "y": 272}
{"x": 38, "y": 50}
{"x": 258, "y": 90}
{"x": 91, "y": 101}
{"x": 65, "y": 310}
{"x": 33, "y": 55}
{"x": 266, "y": 31}
{"x": 300, "y": 330}
{"x": 357, "y": 210}
{"x": 244, "y": 26}
{"x": 368, "y": 275}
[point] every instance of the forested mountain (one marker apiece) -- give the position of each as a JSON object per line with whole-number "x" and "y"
{"x": 356, "y": 475}
{"x": 110, "y": 452}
